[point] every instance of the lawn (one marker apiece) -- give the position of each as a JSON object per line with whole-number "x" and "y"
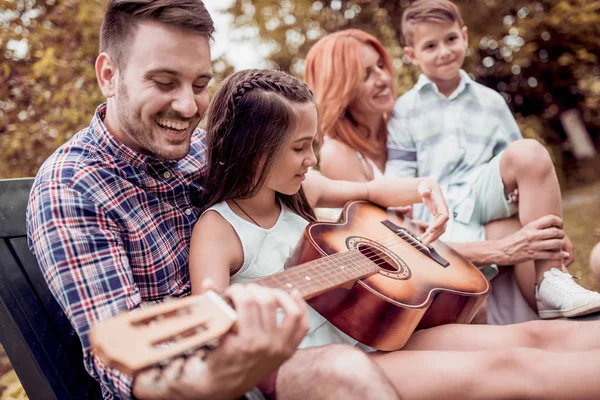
{"x": 582, "y": 223}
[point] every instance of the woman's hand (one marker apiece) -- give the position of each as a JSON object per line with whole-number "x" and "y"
{"x": 433, "y": 198}
{"x": 543, "y": 238}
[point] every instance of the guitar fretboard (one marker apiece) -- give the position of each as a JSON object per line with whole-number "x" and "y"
{"x": 318, "y": 276}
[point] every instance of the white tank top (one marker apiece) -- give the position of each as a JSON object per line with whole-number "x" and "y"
{"x": 333, "y": 214}
{"x": 266, "y": 252}
{"x": 377, "y": 174}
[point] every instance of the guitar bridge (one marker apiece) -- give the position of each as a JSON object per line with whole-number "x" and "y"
{"x": 414, "y": 241}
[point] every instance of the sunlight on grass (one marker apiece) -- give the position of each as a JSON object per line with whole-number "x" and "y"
{"x": 582, "y": 223}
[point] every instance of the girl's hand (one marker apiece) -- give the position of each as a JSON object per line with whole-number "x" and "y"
{"x": 433, "y": 198}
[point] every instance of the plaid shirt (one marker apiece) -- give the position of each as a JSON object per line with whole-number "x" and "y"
{"x": 448, "y": 138}
{"x": 111, "y": 229}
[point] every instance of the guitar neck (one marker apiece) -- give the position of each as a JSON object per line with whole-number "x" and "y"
{"x": 323, "y": 274}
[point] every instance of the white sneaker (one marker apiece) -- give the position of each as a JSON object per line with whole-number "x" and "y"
{"x": 558, "y": 296}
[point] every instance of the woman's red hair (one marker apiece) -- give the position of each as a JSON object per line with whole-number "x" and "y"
{"x": 334, "y": 69}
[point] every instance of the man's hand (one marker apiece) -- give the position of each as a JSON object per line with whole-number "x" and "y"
{"x": 433, "y": 199}
{"x": 543, "y": 238}
{"x": 245, "y": 356}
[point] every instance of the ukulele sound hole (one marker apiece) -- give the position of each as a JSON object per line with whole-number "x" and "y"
{"x": 378, "y": 257}
{"x": 390, "y": 264}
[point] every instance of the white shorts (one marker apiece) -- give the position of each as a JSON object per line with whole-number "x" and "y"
{"x": 485, "y": 202}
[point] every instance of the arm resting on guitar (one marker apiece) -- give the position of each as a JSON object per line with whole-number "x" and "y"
{"x": 479, "y": 253}
{"x": 388, "y": 192}
{"x": 324, "y": 192}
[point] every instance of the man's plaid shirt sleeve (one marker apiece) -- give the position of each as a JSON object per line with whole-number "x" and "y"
{"x": 82, "y": 257}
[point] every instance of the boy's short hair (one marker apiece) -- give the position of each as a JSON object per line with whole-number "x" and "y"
{"x": 441, "y": 11}
{"x": 123, "y": 16}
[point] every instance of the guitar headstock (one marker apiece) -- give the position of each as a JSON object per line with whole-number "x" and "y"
{"x": 136, "y": 340}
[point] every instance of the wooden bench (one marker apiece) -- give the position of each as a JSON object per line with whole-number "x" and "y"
{"x": 40, "y": 342}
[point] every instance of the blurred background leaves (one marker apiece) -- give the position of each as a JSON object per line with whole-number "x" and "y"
{"x": 542, "y": 56}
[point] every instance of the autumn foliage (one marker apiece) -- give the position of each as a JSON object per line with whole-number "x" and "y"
{"x": 541, "y": 55}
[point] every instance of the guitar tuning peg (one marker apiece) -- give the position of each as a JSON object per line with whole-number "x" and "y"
{"x": 211, "y": 344}
{"x": 200, "y": 329}
{"x": 182, "y": 311}
{"x": 164, "y": 363}
{"x": 189, "y": 353}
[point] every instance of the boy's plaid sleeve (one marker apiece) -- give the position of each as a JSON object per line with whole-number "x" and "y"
{"x": 402, "y": 153}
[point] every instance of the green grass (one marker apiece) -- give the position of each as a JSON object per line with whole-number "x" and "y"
{"x": 582, "y": 223}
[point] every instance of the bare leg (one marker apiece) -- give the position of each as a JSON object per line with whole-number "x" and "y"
{"x": 524, "y": 272}
{"x": 547, "y": 335}
{"x": 526, "y": 165}
{"x": 332, "y": 372}
{"x": 514, "y": 373}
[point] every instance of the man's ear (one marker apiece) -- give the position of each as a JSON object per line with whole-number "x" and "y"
{"x": 465, "y": 33}
{"x": 410, "y": 53}
{"x": 106, "y": 73}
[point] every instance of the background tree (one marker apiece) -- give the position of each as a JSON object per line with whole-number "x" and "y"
{"x": 49, "y": 85}
{"x": 540, "y": 55}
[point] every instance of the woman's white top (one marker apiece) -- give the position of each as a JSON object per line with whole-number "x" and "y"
{"x": 266, "y": 252}
{"x": 332, "y": 214}
{"x": 377, "y": 173}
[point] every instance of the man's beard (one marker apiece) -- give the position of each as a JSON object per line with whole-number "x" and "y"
{"x": 133, "y": 126}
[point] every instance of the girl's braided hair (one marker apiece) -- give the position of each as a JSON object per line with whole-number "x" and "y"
{"x": 250, "y": 118}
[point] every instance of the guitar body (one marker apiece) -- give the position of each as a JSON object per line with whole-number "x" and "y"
{"x": 411, "y": 291}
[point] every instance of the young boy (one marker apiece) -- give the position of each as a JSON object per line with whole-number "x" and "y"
{"x": 464, "y": 135}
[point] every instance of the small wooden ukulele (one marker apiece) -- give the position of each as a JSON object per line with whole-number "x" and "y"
{"x": 367, "y": 274}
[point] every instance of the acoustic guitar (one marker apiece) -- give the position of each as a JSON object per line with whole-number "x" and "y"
{"x": 368, "y": 274}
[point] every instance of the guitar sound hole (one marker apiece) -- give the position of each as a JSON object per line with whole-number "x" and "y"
{"x": 378, "y": 257}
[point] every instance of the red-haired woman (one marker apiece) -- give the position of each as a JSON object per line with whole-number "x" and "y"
{"x": 351, "y": 76}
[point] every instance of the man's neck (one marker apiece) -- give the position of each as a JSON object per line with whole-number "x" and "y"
{"x": 112, "y": 125}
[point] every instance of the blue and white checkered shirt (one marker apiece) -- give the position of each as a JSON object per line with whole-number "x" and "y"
{"x": 448, "y": 138}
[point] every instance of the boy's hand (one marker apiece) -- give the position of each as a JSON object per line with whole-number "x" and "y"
{"x": 433, "y": 199}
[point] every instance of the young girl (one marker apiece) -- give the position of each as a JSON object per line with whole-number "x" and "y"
{"x": 259, "y": 197}
{"x": 261, "y": 127}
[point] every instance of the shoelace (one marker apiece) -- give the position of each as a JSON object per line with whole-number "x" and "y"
{"x": 569, "y": 279}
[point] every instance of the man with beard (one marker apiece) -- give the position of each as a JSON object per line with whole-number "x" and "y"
{"x": 111, "y": 213}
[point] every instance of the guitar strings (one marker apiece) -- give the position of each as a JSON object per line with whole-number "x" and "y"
{"x": 387, "y": 242}
{"x": 373, "y": 254}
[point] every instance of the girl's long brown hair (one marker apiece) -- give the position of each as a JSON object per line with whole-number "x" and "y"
{"x": 250, "y": 117}
{"x": 334, "y": 69}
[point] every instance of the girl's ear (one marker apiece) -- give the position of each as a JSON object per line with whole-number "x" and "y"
{"x": 465, "y": 33}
